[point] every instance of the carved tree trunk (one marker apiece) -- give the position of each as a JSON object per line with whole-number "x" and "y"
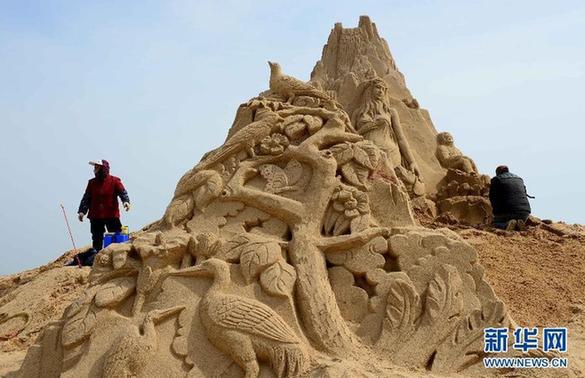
{"x": 316, "y": 301}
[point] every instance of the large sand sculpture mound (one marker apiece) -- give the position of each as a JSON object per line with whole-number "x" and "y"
{"x": 291, "y": 250}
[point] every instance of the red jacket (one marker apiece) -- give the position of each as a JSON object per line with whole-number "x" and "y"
{"x": 101, "y": 198}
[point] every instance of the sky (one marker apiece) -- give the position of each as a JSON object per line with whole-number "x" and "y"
{"x": 152, "y": 85}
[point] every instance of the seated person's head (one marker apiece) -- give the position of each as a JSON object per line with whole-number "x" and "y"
{"x": 502, "y": 169}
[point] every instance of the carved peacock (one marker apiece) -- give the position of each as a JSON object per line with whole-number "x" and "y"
{"x": 246, "y": 329}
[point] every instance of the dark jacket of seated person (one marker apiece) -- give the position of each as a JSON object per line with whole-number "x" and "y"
{"x": 508, "y": 197}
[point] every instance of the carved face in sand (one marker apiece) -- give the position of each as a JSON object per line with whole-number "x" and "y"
{"x": 445, "y": 139}
{"x": 378, "y": 90}
{"x": 119, "y": 259}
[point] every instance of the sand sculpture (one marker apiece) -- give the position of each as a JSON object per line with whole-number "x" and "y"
{"x": 462, "y": 195}
{"x": 292, "y": 244}
{"x": 358, "y": 58}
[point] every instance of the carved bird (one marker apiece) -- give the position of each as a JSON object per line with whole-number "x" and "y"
{"x": 245, "y": 329}
{"x": 290, "y": 87}
{"x": 245, "y": 139}
{"x": 131, "y": 353}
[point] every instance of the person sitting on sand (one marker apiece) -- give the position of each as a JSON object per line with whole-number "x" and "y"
{"x": 509, "y": 200}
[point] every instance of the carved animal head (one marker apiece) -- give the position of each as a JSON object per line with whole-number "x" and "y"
{"x": 445, "y": 138}
{"x": 211, "y": 267}
{"x": 274, "y": 68}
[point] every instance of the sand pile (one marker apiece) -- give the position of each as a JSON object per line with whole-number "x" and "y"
{"x": 30, "y": 300}
{"x": 543, "y": 269}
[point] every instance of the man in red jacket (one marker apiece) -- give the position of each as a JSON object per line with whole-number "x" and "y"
{"x": 101, "y": 199}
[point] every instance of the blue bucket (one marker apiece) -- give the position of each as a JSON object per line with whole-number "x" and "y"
{"x": 121, "y": 238}
{"x": 108, "y": 239}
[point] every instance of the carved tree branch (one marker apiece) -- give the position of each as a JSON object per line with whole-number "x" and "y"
{"x": 344, "y": 242}
{"x": 288, "y": 210}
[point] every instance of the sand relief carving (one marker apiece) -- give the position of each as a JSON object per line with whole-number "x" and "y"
{"x": 131, "y": 353}
{"x": 379, "y": 123}
{"x": 246, "y": 330}
{"x": 276, "y": 250}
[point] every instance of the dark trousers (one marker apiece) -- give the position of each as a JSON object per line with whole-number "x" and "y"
{"x": 98, "y": 227}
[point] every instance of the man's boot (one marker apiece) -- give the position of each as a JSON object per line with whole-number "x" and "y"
{"x": 520, "y": 225}
{"x": 511, "y": 226}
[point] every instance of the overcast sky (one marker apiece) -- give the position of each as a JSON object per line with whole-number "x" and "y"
{"x": 152, "y": 85}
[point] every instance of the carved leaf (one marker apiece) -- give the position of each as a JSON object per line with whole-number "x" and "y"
{"x": 362, "y": 175}
{"x": 464, "y": 347}
{"x": 403, "y": 305}
{"x": 362, "y": 157}
{"x": 256, "y": 257}
{"x": 349, "y": 173}
{"x": 292, "y": 119}
{"x": 371, "y": 151}
{"x": 342, "y": 153}
{"x": 367, "y": 257}
{"x": 331, "y": 217}
{"x": 360, "y": 223}
{"x": 232, "y": 249}
{"x": 295, "y": 130}
{"x": 314, "y": 123}
{"x": 444, "y": 295}
{"x": 279, "y": 279}
{"x": 79, "y": 326}
{"x": 341, "y": 225}
{"x": 114, "y": 292}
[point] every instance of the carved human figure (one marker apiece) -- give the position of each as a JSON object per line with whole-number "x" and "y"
{"x": 376, "y": 121}
{"x": 450, "y": 157}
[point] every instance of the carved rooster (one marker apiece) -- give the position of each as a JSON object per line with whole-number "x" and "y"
{"x": 131, "y": 353}
{"x": 245, "y": 329}
{"x": 290, "y": 87}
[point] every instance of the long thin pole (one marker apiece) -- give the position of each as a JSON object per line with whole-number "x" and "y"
{"x": 71, "y": 235}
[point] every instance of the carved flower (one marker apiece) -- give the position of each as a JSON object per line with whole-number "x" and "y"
{"x": 348, "y": 211}
{"x": 350, "y": 201}
{"x": 274, "y": 144}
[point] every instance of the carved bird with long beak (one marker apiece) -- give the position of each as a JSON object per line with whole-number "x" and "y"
{"x": 245, "y": 329}
{"x": 290, "y": 87}
{"x": 131, "y": 353}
